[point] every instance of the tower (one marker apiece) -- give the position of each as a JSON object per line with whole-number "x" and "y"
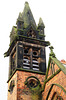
{"x": 27, "y": 57}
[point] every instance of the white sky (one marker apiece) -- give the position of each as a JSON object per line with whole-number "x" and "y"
{"x": 53, "y": 13}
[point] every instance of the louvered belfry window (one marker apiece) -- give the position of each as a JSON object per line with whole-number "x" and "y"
{"x": 30, "y": 58}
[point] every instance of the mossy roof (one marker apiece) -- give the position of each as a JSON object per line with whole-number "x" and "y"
{"x": 14, "y": 30}
{"x": 59, "y": 64}
{"x": 56, "y": 61}
{"x": 26, "y": 16}
{"x": 40, "y": 24}
{"x": 52, "y": 57}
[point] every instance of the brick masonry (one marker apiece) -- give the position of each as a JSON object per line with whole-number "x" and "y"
{"x": 13, "y": 95}
{"x": 60, "y": 78}
{"x": 20, "y": 91}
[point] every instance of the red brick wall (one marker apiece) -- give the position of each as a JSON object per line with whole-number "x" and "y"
{"x": 13, "y": 95}
{"x": 60, "y": 78}
{"x": 21, "y": 77}
{"x": 18, "y": 91}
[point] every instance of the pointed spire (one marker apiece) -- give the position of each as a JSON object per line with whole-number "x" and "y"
{"x": 41, "y": 22}
{"x": 20, "y": 17}
{"x": 27, "y": 5}
{"x": 26, "y": 16}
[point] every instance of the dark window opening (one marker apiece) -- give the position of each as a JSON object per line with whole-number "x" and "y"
{"x": 25, "y": 51}
{"x": 12, "y": 84}
{"x": 20, "y": 23}
{"x": 30, "y": 30}
{"x": 31, "y": 33}
{"x": 32, "y": 83}
{"x": 25, "y": 57}
{"x": 34, "y": 53}
{"x": 41, "y": 38}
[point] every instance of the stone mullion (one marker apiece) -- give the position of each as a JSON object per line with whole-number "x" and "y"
{"x": 31, "y": 66}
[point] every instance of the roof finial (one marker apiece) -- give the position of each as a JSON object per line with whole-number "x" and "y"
{"x": 51, "y": 51}
{"x": 26, "y": 3}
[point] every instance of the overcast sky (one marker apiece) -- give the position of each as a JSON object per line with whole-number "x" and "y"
{"x": 53, "y": 13}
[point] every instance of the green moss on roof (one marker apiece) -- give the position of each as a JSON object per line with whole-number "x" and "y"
{"x": 26, "y": 16}
{"x": 59, "y": 64}
{"x": 56, "y": 61}
{"x": 41, "y": 35}
{"x": 41, "y": 23}
{"x": 14, "y": 30}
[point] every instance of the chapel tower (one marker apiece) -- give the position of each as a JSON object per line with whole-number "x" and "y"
{"x": 27, "y": 55}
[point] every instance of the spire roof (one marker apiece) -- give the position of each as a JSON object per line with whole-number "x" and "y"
{"x": 26, "y": 16}
{"x": 41, "y": 22}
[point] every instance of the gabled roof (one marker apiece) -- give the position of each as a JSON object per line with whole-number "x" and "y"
{"x": 59, "y": 64}
{"x": 56, "y": 61}
{"x": 26, "y": 16}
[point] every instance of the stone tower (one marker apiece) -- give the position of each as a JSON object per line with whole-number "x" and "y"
{"x": 27, "y": 57}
